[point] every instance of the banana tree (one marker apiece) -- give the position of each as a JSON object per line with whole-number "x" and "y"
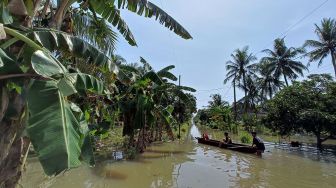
{"x": 66, "y": 15}
{"x": 146, "y": 104}
{"x": 35, "y": 87}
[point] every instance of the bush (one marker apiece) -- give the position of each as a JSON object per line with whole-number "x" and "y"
{"x": 130, "y": 153}
{"x": 245, "y": 138}
{"x": 250, "y": 122}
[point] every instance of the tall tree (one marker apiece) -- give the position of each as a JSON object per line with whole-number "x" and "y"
{"x": 253, "y": 96}
{"x": 239, "y": 67}
{"x": 326, "y": 43}
{"x": 282, "y": 61}
{"x": 267, "y": 82}
{"x": 217, "y": 101}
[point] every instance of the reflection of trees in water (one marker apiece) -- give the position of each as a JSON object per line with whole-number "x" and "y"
{"x": 154, "y": 168}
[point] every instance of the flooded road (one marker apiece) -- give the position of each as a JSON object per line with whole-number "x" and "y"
{"x": 189, "y": 164}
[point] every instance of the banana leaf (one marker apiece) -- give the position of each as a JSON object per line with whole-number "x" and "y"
{"x": 53, "y": 128}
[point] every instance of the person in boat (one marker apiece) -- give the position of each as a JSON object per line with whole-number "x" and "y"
{"x": 258, "y": 143}
{"x": 205, "y": 136}
{"x": 227, "y": 139}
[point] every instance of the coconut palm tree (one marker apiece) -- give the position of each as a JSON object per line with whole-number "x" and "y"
{"x": 267, "y": 83}
{"x": 326, "y": 44}
{"x": 253, "y": 96}
{"x": 282, "y": 61}
{"x": 217, "y": 101}
{"x": 238, "y": 68}
{"x": 232, "y": 75}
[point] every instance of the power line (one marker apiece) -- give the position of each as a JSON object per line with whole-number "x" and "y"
{"x": 302, "y": 19}
{"x": 209, "y": 90}
{"x": 282, "y": 35}
{"x": 285, "y": 33}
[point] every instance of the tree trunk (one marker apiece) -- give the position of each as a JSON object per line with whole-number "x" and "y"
{"x": 333, "y": 54}
{"x": 245, "y": 93}
{"x": 28, "y": 21}
{"x": 57, "y": 19}
{"x": 286, "y": 80}
{"x": 12, "y": 167}
{"x": 234, "y": 100}
{"x": 14, "y": 148}
{"x": 270, "y": 91}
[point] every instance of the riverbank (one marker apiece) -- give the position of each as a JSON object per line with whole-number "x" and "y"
{"x": 237, "y": 135}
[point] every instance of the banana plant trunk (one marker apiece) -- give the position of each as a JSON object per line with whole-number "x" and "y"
{"x": 14, "y": 148}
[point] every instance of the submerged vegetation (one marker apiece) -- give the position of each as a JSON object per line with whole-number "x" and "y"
{"x": 63, "y": 89}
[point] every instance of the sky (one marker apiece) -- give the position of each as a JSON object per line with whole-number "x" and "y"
{"x": 218, "y": 28}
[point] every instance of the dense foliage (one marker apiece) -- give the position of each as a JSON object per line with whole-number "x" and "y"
{"x": 307, "y": 106}
{"x": 61, "y": 84}
{"x": 217, "y": 115}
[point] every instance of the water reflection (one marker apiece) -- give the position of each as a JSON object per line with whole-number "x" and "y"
{"x": 193, "y": 165}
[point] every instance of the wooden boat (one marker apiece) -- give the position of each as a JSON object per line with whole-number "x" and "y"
{"x": 235, "y": 147}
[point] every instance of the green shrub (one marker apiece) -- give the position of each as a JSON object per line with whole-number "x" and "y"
{"x": 245, "y": 138}
{"x": 130, "y": 153}
{"x": 250, "y": 123}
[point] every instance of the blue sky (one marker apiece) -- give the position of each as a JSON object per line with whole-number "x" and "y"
{"x": 218, "y": 28}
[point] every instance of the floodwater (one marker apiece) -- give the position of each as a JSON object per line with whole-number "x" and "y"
{"x": 189, "y": 164}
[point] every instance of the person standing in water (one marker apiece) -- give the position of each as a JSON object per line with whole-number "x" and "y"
{"x": 227, "y": 139}
{"x": 258, "y": 143}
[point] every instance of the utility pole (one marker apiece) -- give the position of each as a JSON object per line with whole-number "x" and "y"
{"x": 179, "y": 112}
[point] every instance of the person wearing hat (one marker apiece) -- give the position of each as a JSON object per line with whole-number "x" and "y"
{"x": 258, "y": 143}
{"x": 227, "y": 139}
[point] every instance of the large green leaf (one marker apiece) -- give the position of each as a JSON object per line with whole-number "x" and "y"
{"x": 53, "y": 128}
{"x": 87, "y": 154}
{"x": 57, "y": 40}
{"x": 166, "y": 74}
{"x": 46, "y": 65}
{"x": 8, "y": 65}
{"x": 152, "y": 76}
{"x": 186, "y": 88}
{"x": 79, "y": 82}
{"x": 108, "y": 10}
{"x": 165, "y": 114}
{"x": 111, "y": 13}
{"x": 84, "y": 82}
{"x": 148, "y": 9}
{"x": 5, "y": 17}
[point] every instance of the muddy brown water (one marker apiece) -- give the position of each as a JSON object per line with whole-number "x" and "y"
{"x": 189, "y": 164}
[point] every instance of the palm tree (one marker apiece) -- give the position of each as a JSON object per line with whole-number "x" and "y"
{"x": 326, "y": 44}
{"x": 238, "y": 68}
{"x": 282, "y": 61}
{"x": 217, "y": 101}
{"x": 253, "y": 96}
{"x": 232, "y": 74}
{"x": 267, "y": 83}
